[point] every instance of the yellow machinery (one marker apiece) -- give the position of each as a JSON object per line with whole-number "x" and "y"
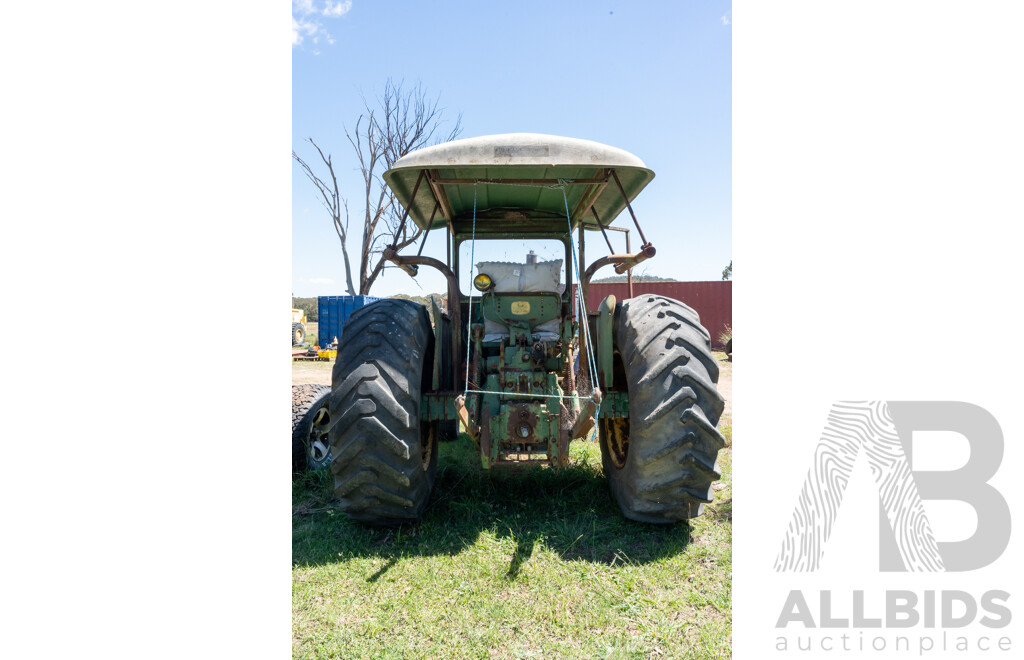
{"x": 331, "y": 352}
{"x": 298, "y": 327}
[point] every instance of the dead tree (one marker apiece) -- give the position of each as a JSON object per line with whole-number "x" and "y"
{"x": 401, "y": 121}
{"x": 332, "y": 200}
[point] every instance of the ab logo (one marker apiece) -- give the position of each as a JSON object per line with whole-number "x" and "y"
{"x": 882, "y": 430}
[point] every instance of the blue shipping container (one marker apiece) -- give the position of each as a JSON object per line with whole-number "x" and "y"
{"x": 333, "y": 311}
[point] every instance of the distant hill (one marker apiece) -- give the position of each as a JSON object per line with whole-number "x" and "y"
{"x": 423, "y": 300}
{"x": 636, "y": 278}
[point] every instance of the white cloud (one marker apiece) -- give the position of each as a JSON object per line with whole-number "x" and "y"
{"x": 306, "y": 19}
{"x": 302, "y": 29}
{"x": 336, "y": 9}
{"x": 320, "y": 280}
{"x": 727, "y": 18}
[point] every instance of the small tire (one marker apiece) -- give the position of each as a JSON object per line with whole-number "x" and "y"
{"x": 298, "y": 334}
{"x": 310, "y": 423}
{"x": 728, "y": 349}
{"x": 385, "y": 458}
{"x": 661, "y": 460}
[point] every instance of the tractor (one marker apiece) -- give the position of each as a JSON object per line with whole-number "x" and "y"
{"x": 517, "y": 361}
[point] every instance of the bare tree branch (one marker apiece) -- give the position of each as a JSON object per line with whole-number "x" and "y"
{"x": 331, "y": 198}
{"x": 400, "y": 121}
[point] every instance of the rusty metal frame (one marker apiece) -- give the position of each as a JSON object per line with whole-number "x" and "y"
{"x": 607, "y": 240}
{"x": 454, "y": 311}
{"x": 623, "y": 262}
{"x": 405, "y": 212}
{"x": 426, "y": 232}
{"x": 625, "y": 198}
{"x": 629, "y": 250}
{"x": 588, "y": 198}
{"x": 440, "y": 196}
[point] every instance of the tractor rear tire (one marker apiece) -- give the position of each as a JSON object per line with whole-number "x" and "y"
{"x": 310, "y": 420}
{"x": 298, "y": 334}
{"x": 661, "y": 460}
{"x": 385, "y": 458}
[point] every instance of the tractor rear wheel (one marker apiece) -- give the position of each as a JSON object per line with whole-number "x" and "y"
{"x": 661, "y": 460}
{"x": 384, "y": 457}
{"x": 298, "y": 334}
{"x": 310, "y": 420}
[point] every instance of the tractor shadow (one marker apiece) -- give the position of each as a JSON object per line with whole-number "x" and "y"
{"x": 568, "y": 512}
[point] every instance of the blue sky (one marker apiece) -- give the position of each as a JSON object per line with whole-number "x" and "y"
{"x": 653, "y": 78}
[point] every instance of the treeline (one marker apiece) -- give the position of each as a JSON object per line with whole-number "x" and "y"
{"x": 636, "y": 278}
{"x": 309, "y": 305}
{"x": 423, "y": 300}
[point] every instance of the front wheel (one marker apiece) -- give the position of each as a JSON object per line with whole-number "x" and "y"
{"x": 661, "y": 460}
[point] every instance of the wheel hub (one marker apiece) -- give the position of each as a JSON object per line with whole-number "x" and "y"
{"x": 319, "y": 444}
{"x": 615, "y": 435}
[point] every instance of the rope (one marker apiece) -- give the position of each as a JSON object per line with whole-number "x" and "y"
{"x": 469, "y": 315}
{"x": 581, "y": 305}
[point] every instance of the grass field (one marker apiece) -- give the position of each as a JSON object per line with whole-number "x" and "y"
{"x": 531, "y": 563}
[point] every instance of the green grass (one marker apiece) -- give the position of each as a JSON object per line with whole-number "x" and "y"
{"x": 512, "y": 564}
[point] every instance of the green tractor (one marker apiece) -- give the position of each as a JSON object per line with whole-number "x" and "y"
{"x": 517, "y": 361}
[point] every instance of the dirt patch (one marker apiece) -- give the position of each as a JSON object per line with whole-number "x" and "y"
{"x": 316, "y": 373}
{"x": 725, "y": 384}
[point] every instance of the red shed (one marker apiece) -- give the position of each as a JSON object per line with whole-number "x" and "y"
{"x": 712, "y": 300}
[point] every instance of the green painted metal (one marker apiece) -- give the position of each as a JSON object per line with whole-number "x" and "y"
{"x": 435, "y": 319}
{"x": 438, "y": 405}
{"x": 528, "y": 423}
{"x": 534, "y": 164}
{"x": 538, "y": 438}
{"x": 615, "y": 404}
{"x": 605, "y": 345}
{"x": 521, "y": 312}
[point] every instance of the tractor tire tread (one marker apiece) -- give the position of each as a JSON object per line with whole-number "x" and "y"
{"x": 379, "y": 476}
{"x": 674, "y": 407}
